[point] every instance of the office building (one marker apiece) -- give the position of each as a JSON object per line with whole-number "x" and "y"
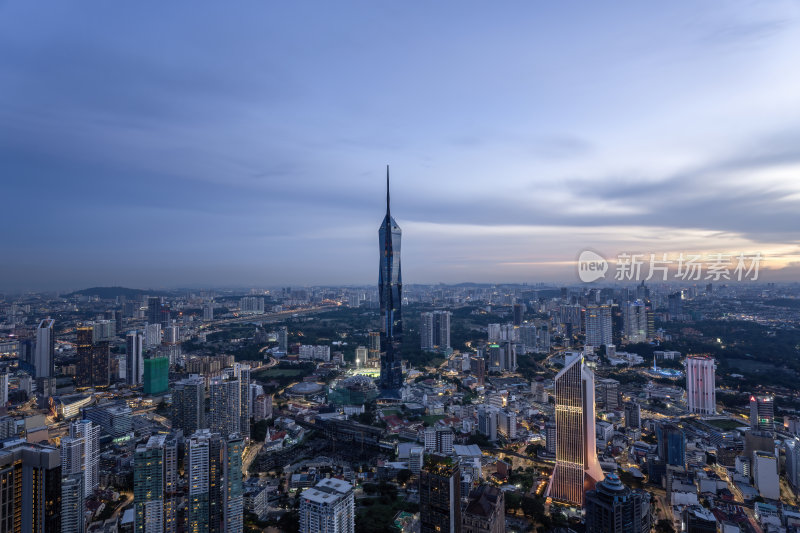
{"x": 485, "y": 511}
{"x": 671, "y": 444}
{"x": 156, "y": 375}
{"x": 698, "y": 519}
{"x": 157, "y": 312}
{"x": 765, "y": 475}
{"x": 44, "y": 352}
{"x": 762, "y": 412}
{"x": 114, "y": 419}
{"x": 416, "y": 456}
{"x": 224, "y": 414}
{"x": 155, "y": 485}
{"x": 93, "y": 359}
{"x": 633, "y": 415}
{"x": 598, "y": 325}
{"x": 208, "y": 312}
{"x": 3, "y": 388}
{"x": 675, "y": 302}
{"x": 550, "y": 437}
{"x": 283, "y": 339}
{"x": 614, "y": 508}
{"x": 80, "y": 453}
{"x": 635, "y": 317}
{"x": 608, "y": 394}
{"x": 792, "y": 447}
{"x": 215, "y": 500}
{"x": 439, "y": 496}
{"x": 435, "y": 331}
{"x": 576, "y": 465}
{"x": 72, "y": 504}
{"x": 188, "y": 404}
{"x": 700, "y": 384}
{"x": 390, "y": 289}
{"x": 30, "y": 499}
{"x": 328, "y": 507}
{"x": 519, "y": 314}
{"x": 487, "y": 422}
{"x": 134, "y": 369}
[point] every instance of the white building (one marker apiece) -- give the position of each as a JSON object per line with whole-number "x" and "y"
{"x": 700, "y": 384}
{"x": 361, "y": 356}
{"x": 635, "y": 321}
{"x": 251, "y": 305}
{"x": 415, "y": 457}
{"x": 45, "y": 348}
{"x": 328, "y": 507}
{"x": 598, "y": 325}
{"x": 80, "y": 453}
{"x": 507, "y": 424}
{"x": 315, "y": 352}
{"x": 435, "y": 330}
{"x": 152, "y": 335}
{"x": 793, "y": 461}
{"x": 765, "y": 475}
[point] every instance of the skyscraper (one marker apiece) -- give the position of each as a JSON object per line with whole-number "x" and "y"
{"x": 30, "y": 499}
{"x": 72, "y": 503}
{"x": 155, "y": 477}
{"x": 214, "y": 475}
{"x": 614, "y": 508}
{"x": 93, "y": 359}
{"x": 156, "y": 375}
{"x": 576, "y": 467}
{"x": 598, "y": 325}
{"x": 762, "y": 412}
{"x": 435, "y": 330}
{"x": 188, "y": 404}
{"x": 328, "y": 507}
{"x": 440, "y": 496}
{"x": 80, "y": 453}
{"x": 636, "y": 321}
{"x": 671, "y": 444}
{"x": 390, "y": 288}
{"x": 45, "y": 349}
{"x": 134, "y": 370}
{"x": 700, "y": 384}
{"x": 242, "y": 373}
{"x": 225, "y": 406}
{"x": 633, "y": 415}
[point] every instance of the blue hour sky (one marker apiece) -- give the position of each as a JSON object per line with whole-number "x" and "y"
{"x": 154, "y": 144}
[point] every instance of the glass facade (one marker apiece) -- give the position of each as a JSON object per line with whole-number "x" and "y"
{"x": 390, "y": 288}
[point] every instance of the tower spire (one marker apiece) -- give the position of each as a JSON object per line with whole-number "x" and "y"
{"x": 387, "y": 190}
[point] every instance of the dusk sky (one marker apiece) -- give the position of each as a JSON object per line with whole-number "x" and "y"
{"x": 152, "y": 144}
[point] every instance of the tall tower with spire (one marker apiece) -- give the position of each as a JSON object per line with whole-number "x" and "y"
{"x": 390, "y": 288}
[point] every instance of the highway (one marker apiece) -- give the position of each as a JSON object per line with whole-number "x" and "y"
{"x": 267, "y": 318}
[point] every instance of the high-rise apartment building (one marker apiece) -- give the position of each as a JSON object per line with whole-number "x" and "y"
{"x": 251, "y": 305}
{"x": 636, "y": 321}
{"x": 700, "y": 384}
{"x": 188, "y": 404}
{"x": 134, "y": 368}
{"x": 242, "y": 373}
{"x": 390, "y": 289}
{"x": 44, "y": 353}
{"x": 80, "y": 453}
{"x": 440, "y": 496}
{"x": 614, "y": 508}
{"x": 72, "y": 504}
{"x": 328, "y": 507}
{"x": 435, "y": 330}
{"x": 762, "y": 412}
{"x": 214, "y": 476}
{"x": 576, "y": 452}
{"x": 224, "y": 415}
{"x": 598, "y": 325}
{"x": 155, "y": 485}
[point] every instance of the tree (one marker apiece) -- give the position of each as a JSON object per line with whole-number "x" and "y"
{"x": 664, "y": 526}
{"x": 403, "y": 476}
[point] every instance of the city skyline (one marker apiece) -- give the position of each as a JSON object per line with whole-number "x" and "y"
{"x": 517, "y": 140}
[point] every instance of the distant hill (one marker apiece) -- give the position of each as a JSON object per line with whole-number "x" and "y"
{"x": 109, "y": 293}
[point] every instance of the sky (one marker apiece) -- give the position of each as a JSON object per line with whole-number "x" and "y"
{"x": 152, "y": 144}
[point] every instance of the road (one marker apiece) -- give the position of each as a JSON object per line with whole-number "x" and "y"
{"x": 249, "y": 457}
{"x": 269, "y": 317}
